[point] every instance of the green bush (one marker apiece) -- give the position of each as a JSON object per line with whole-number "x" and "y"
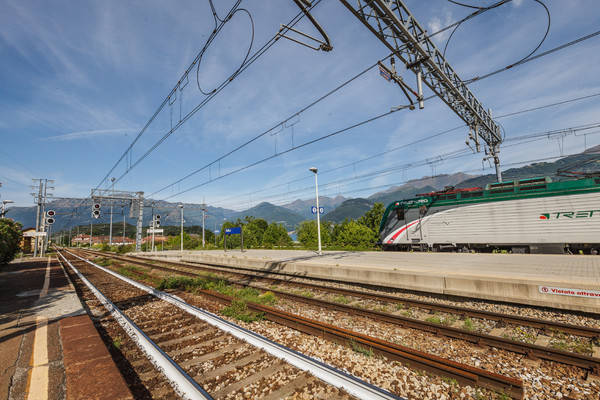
{"x": 10, "y": 239}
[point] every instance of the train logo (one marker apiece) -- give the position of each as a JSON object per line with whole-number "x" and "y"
{"x": 570, "y": 214}
{"x": 544, "y": 289}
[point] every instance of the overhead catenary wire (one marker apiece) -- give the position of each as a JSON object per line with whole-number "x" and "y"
{"x": 479, "y": 78}
{"x": 247, "y": 62}
{"x": 446, "y": 156}
{"x": 317, "y": 140}
{"x": 330, "y": 93}
{"x": 496, "y": 5}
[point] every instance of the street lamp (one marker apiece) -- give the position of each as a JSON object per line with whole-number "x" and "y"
{"x": 111, "y": 211}
{"x": 4, "y": 203}
{"x": 181, "y": 206}
{"x": 314, "y": 169}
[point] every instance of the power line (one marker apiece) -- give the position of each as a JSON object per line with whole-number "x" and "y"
{"x": 447, "y": 156}
{"x": 362, "y": 160}
{"x": 352, "y": 79}
{"x": 172, "y": 95}
{"x": 581, "y": 39}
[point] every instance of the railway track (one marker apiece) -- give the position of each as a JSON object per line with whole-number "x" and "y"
{"x": 461, "y": 373}
{"x": 531, "y": 350}
{"x": 219, "y": 359}
{"x": 539, "y": 352}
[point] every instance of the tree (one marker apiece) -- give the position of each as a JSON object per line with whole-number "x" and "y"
{"x": 276, "y": 235}
{"x": 307, "y": 233}
{"x": 372, "y": 219}
{"x": 355, "y": 234}
{"x": 254, "y": 228}
{"x": 10, "y": 239}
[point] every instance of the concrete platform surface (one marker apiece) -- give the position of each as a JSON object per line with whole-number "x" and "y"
{"x": 47, "y": 341}
{"x": 560, "y": 281}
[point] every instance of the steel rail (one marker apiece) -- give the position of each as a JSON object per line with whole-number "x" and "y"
{"x": 181, "y": 382}
{"x": 464, "y": 374}
{"x": 322, "y": 371}
{"x": 533, "y": 351}
{"x": 546, "y": 326}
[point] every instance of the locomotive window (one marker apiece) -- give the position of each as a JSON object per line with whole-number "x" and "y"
{"x": 498, "y": 191}
{"x": 451, "y": 197}
{"x": 400, "y": 213}
{"x": 597, "y": 180}
{"x": 477, "y": 194}
{"x": 534, "y": 187}
{"x": 441, "y": 198}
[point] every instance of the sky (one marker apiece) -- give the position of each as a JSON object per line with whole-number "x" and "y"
{"x": 80, "y": 81}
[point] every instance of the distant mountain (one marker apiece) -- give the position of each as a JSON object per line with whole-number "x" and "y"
{"x": 290, "y": 215}
{"x": 541, "y": 169}
{"x": 302, "y": 207}
{"x": 272, "y": 213}
{"x": 353, "y": 208}
{"x": 403, "y": 192}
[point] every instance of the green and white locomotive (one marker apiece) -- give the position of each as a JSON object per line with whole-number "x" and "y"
{"x": 522, "y": 216}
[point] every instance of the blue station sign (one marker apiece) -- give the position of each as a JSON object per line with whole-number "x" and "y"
{"x": 233, "y": 231}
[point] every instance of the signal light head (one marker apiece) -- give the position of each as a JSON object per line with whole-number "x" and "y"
{"x": 157, "y": 216}
{"x": 97, "y": 206}
{"x": 49, "y": 221}
{"x": 50, "y": 213}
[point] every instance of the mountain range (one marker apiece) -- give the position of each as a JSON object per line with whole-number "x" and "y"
{"x": 291, "y": 215}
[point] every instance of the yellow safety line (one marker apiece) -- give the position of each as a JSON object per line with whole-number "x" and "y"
{"x": 38, "y": 381}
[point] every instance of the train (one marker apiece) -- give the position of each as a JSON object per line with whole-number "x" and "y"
{"x": 533, "y": 215}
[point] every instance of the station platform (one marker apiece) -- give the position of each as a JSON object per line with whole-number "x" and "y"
{"x": 49, "y": 347}
{"x": 569, "y": 282}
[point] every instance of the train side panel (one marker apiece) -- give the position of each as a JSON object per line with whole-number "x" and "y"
{"x": 553, "y": 219}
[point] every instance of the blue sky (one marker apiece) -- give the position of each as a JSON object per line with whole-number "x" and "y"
{"x": 80, "y": 80}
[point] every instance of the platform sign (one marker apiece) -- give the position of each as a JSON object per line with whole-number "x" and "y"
{"x": 593, "y": 294}
{"x": 313, "y": 210}
{"x": 216, "y": 231}
{"x": 234, "y": 231}
{"x": 151, "y": 230}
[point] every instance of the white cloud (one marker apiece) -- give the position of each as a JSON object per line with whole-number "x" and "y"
{"x": 89, "y": 134}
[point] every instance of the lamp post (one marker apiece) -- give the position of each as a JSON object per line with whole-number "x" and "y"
{"x": 314, "y": 169}
{"x": 181, "y": 206}
{"x": 203, "y": 219}
{"x": 111, "y": 212}
{"x": 4, "y": 203}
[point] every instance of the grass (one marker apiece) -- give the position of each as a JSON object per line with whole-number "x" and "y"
{"x": 105, "y": 262}
{"x": 357, "y": 348}
{"x": 117, "y": 342}
{"x": 436, "y": 319}
{"x": 238, "y": 308}
{"x": 562, "y": 341}
{"x": 520, "y": 334}
{"x": 341, "y": 300}
{"x": 303, "y": 293}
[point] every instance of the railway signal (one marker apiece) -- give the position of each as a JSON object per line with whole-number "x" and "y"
{"x": 50, "y": 217}
{"x": 157, "y": 220}
{"x": 96, "y": 210}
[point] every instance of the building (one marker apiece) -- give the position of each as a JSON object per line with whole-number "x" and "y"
{"x": 28, "y": 240}
{"x": 85, "y": 239}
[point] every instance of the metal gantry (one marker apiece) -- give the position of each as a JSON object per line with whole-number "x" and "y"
{"x": 397, "y": 28}
{"x": 136, "y": 209}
